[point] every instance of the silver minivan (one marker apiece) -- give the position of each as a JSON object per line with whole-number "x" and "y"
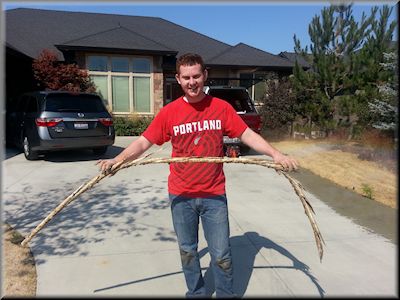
{"x": 57, "y": 120}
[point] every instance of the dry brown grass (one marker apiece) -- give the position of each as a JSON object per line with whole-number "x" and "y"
{"x": 342, "y": 164}
{"x": 19, "y": 271}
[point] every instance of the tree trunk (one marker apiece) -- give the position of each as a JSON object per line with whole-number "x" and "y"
{"x": 350, "y": 136}
{"x": 291, "y": 133}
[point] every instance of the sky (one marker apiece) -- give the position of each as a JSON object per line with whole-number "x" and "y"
{"x": 265, "y": 25}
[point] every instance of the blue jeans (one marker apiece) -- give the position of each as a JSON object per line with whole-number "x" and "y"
{"x": 213, "y": 212}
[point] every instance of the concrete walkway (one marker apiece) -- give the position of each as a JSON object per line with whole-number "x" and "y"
{"x": 117, "y": 239}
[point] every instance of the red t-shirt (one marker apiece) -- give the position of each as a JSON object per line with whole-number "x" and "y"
{"x": 196, "y": 129}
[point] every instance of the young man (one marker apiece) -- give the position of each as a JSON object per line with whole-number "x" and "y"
{"x": 195, "y": 124}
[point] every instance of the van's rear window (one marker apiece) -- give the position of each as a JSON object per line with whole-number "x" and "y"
{"x": 74, "y": 103}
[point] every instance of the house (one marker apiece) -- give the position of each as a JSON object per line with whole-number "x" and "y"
{"x": 293, "y": 57}
{"x": 131, "y": 59}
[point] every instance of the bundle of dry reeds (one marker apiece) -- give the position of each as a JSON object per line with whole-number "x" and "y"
{"x": 309, "y": 211}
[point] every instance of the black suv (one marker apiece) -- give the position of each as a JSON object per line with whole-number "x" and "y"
{"x": 53, "y": 120}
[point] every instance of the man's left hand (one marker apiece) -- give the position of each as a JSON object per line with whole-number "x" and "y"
{"x": 288, "y": 163}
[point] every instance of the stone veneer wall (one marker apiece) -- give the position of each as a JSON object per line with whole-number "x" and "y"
{"x": 158, "y": 85}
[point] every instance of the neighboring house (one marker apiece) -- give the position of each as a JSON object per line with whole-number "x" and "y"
{"x": 131, "y": 59}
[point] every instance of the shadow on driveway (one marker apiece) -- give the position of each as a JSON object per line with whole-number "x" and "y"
{"x": 243, "y": 261}
{"x": 99, "y": 211}
{"x": 11, "y": 152}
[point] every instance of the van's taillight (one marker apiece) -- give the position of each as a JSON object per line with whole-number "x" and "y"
{"x": 106, "y": 121}
{"x": 47, "y": 122}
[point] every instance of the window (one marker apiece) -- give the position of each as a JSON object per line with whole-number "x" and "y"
{"x": 97, "y": 63}
{"x": 120, "y": 93}
{"x": 141, "y": 65}
{"x": 73, "y": 103}
{"x": 101, "y": 83}
{"x": 119, "y": 64}
{"x": 141, "y": 89}
{"x": 255, "y": 84}
{"x": 123, "y": 81}
{"x": 239, "y": 99}
{"x": 173, "y": 90}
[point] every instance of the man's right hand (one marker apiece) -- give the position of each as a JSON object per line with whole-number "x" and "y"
{"x": 105, "y": 165}
{"x": 134, "y": 150}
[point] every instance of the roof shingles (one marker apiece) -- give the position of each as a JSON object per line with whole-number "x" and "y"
{"x": 245, "y": 55}
{"x": 32, "y": 30}
{"x": 117, "y": 38}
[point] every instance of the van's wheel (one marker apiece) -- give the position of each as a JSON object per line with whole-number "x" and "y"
{"x": 28, "y": 152}
{"x": 100, "y": 150}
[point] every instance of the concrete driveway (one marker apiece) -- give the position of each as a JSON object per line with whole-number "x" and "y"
{"x": 117, "y": 239}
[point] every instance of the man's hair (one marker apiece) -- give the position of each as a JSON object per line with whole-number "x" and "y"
{"x": 189, "y": 59}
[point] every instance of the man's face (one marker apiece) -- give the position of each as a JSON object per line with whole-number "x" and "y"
{"x": 191, "y": 79}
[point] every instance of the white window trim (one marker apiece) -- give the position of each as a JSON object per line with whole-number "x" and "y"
{"x": 129, "y": 74}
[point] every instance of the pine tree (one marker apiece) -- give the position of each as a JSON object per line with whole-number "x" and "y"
{"x": 373, "y": 73}
{"x": 345, "y": 57}
{"x": 384, "y": 109}
{"x": 278, "y": 108}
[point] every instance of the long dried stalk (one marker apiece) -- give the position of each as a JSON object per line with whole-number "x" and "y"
{"x": 140, "y": 161}
{"x": 161, "y": 160}
{"x": 309, "y": 211}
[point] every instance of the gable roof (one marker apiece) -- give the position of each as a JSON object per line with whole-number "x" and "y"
{"x": 245, "y": 55}
{"x": 28, "y": 31}
{"x": 116, "y": 38}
